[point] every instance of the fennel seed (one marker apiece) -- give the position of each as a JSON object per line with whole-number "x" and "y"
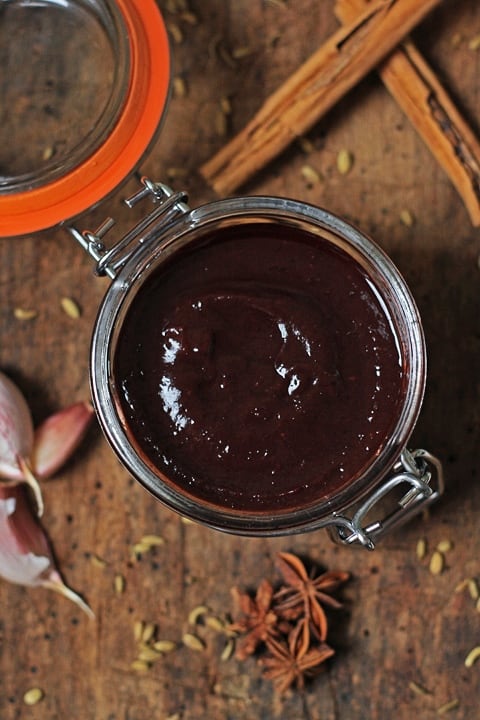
{"x": 179, "y": 87}
{"x": 418, "y": 689}
{"x": 189, "y": 17}
{"x": 176, "y": 172}
{"x": 119, "y": 584}
{"x": 446, "y": 707}
{"x": 148, "y": 654}
{"x": 473, "y": 589}
{"x": 241, "y": 52}
{"x": 140, "y": 548}
{"x": 148, "y": 632}
{"x": 407, "y": 218}
{"x": 98, "y": 562}
{"x": 138, "y": 627}
{"x": 461, "y": 585}
{"x": 227, "y": 651}
{"x": 195, "y": 614}
{"x": 70, "y": 308}
{"x": 33, "y": 696}
{"x": 472, "y": 656}
{"x": 139, "y": 666}
{"x": 226, "y": 105}
{"x": 310, "y": 175}
{"x": 47, "y": 152}
{"x": 164, "y": 646}
{"x": 214, "y": 623}
{"x": 24, "y": 314}
{"x": 444, "y": 546}
{"x": 152, "y": 540}
{"x": 344, "y": 161}
{"x": 474, "y": 43}
{"x": 306, "y": 145}
{"x": 193, "y": 642}
{"x": 436, "y": 563}
{"x": 421, "y": 549}
{"x": 176, "y": 32}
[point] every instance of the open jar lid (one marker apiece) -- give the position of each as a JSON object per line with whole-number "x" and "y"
{"x": 84, "y": 87}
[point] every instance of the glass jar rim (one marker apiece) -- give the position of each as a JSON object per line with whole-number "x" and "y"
{"x": 139, "y": 96}
{"x": 121, "y": 294}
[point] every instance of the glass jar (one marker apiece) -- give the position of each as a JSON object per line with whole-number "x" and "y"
{"x": 93, "y": 122}
{"x": 98, "y": 131}
{"x": 160, "y": 240}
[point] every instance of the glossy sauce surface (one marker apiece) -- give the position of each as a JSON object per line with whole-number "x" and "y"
{"x": 259, "y": 370}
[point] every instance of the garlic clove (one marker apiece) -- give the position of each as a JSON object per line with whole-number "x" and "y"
{"x": 17, "y": 563}
{"x": 25, "y": 554}
{"x": 16, "y": 430}
{"x": 24, "y": 549}
{"x": 58, "y": 437}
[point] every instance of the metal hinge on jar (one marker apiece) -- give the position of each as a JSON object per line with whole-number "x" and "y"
{"x": 168, "y": 205}
{"x": 421, "y": 474}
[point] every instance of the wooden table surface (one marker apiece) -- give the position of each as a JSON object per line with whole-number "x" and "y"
{"x": 400, "y": 624}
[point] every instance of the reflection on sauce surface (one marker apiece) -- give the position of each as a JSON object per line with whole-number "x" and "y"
{"x": 260, "y": 370}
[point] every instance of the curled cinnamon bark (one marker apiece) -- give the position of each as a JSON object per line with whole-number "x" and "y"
{"x": 419, "y": 93}
{"x": 346, "y": 57}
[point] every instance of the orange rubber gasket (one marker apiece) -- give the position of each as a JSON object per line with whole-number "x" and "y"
{"x": 107, "y": 167}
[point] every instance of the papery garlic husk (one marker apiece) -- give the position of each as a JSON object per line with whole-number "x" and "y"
{"x": 58, "y": 437}
{"x": 16, "y": 439}
{"x": 25, "y": 554}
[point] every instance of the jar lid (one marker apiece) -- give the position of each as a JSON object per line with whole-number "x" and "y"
{"x": 102, "y": 114}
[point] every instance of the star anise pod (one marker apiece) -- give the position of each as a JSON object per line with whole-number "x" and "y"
{"x": 292, "y": 662}
{"x": 306, "y": 594}
{"x": 258, "y": 622}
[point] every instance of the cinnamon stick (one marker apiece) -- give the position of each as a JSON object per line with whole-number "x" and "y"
{"x": 314, "y": 88}
{"x": 419, "y": 93}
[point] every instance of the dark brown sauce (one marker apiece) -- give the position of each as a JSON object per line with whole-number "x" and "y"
{"x": 258, "y": 370}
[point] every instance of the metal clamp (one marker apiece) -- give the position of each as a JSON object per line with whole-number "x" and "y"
{"x": 422, "y": 474}
{"x": 169, "y": 205}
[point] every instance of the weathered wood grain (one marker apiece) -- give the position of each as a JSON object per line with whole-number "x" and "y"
{"x": 399, "y": 624}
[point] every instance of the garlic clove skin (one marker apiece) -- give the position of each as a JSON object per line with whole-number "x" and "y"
{"x": 58, "y": 437}
{"x": 30, "y": 479}
{"x": 16, "y": 430}
{"x": 25, "y": 554}
{"x": 54, "y": 582}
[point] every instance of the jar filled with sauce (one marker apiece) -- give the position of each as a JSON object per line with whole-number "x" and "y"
{"x": 258, "y": 364}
